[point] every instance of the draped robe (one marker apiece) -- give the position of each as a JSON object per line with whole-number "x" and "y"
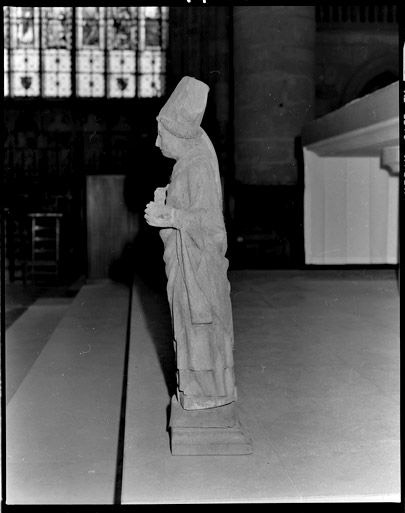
{"x": 198, "y": 289}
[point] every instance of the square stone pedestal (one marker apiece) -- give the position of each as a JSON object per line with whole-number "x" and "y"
{"x": 214, "y": 431}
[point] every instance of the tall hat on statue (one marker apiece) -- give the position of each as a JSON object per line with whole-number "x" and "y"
{"x": 183, "y": 112}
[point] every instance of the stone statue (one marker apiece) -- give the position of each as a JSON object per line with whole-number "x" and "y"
{"x": 189, "y": 213}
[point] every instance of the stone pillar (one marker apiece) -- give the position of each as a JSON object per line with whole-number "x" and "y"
{"x": 200, "y": 47}
{"x": 273, "y": 89}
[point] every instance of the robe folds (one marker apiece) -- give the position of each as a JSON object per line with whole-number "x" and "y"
{"x": 198, "y": 289}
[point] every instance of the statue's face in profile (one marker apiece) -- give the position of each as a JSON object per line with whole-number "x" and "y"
{"x": 168, "y": 143}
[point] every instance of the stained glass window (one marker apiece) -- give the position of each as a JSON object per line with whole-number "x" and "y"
{"x": 6, "y": 49}
{"x": 56, "y": 51}
{"x": 122, "y": 51}
{"x": 90, "y": 54}
{"x": 153, "y": 37}
{"x": 115, "y": 52}
{"x": 24, "y": 51}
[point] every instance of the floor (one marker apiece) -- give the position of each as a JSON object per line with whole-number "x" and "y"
{"x": 317, "y": 369}
{"x": 43, "y": 307}
{"x": 63, "y": 421}
{"x": 19, "y": 297}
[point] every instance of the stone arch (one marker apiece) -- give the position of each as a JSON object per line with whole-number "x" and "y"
{"x": 376, "y": 72}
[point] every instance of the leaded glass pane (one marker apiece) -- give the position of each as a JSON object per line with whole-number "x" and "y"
{"x": 90, "y": 27}
{"x": 151, "y": 85}
{"x": 58, "y": 85}
{"x": 55, "y": 61}
{"x": 122, "y": 28}
{"x": 121, "y": 86}
{"x": 26, "y": 33}
{"x": 24, "y": 83}
{"x": 25, "y": 73}
{"x": 6, "y": 88}
{"x": 151, "y": 68}
{"x": 151, "y": 62}
{"x": 121, "y": 61}
{"x": 152, "y": 32}
{"x": 150, "y": 26}
{"x": 56, "y": 53}
{"x": 24, "y": 59}
{"x": 152, "y": 38}
{"x": 88, "y": 61}
{"x": 91, "y": 85}
{"x": 6, "y": 33}
{"x": 56, "y": 27}
{"x": 90, "y": 55}
{"x": 165, "y": 27}
{"x": 122, "y": 44}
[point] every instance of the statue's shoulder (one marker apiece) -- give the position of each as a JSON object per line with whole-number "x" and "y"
{"x": 198, "y": 157}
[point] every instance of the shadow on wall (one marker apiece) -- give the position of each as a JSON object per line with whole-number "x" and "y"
{"x": 156, "y": 312}
{"x": 142, "y": 255}
{"x": 141, "y": 264}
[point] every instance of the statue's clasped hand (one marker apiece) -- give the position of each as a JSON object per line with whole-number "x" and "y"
{"x": 160, "y": 215}
{"x": 160, "y": 195}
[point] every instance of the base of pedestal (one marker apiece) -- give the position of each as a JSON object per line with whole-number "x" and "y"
{"x": 214, "y": 431}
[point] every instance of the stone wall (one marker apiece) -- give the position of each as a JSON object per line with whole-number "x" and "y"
{"x": 200, "y": 46}
{"x": 273, "y": 62}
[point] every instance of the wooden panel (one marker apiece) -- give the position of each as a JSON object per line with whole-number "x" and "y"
{"x": 354, "y": 134}
{"x": 110, "y": 226}
{"x": 313, "y": 205}
{"x": 350, "y": 211}
{"x": 393, "y": 220}
{"x": 335, "y": 210}
{"x": 378, "y": 212}
{"x": 358, "y": 211}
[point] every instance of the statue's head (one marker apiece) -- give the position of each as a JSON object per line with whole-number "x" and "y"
{"x": 181, "y": 116}
{"x": 170, "y": 145}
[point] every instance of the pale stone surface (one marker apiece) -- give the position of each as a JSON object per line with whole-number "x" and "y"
{"x": 209, "y": 441}
{"x": 62, "y": 423}
{"x": 317, "y": 365}
{"x": 27, "y": 336}
{"x": 189, "y": 213}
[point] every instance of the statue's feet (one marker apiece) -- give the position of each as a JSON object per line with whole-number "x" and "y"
{"x": 208, "y": 431}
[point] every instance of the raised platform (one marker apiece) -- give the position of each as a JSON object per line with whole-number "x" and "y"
{"x": 317, "y": 369}
{"x": 28, "y": 335}
{"x": 62, "y": 423}
{"x": 316, "y": 364}
{"x": 214, "y": 431}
